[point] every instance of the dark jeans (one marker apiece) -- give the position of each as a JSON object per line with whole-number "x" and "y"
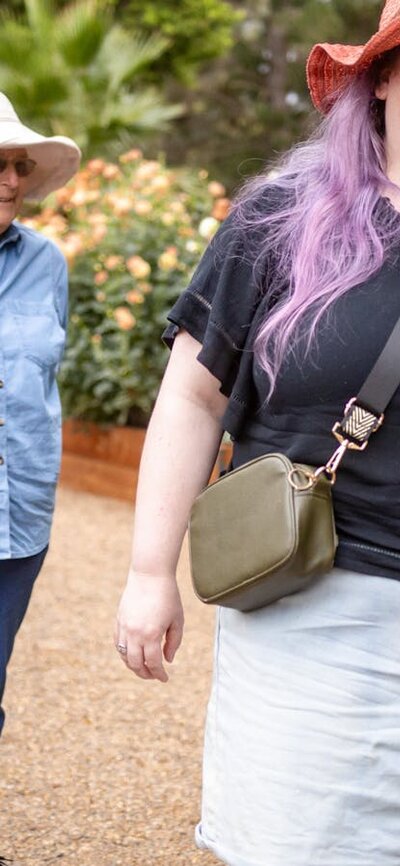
{"x": 17, "y": 577}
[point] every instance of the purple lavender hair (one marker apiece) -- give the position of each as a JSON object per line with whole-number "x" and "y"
{"x": 323, "y": 236}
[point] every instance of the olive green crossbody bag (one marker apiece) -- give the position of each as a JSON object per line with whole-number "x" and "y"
{"x": 266, "y": 529}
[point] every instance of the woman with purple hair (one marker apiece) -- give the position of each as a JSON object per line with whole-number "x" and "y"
{"x": 284, "y": 318}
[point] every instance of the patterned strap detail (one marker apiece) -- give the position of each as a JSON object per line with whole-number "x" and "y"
{"x": 358, "y": 423}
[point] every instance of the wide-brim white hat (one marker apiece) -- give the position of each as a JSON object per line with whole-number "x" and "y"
{"x": 57, "y": 157}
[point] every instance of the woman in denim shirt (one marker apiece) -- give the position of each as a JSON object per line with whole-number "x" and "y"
{"x": 33, "y": 314}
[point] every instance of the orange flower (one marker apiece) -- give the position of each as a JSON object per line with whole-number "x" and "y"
{"x": 83, "y": 196}
{"x": 59, "y": 223}
{"x": 47, "y": 213}
{"x": 73, "y": 244}
{"x": 168, "y": 260}
{"x": 148, "y": 169}
{"x": 134, "y": 297}
{"x": 216, "y": 189}
{"x": 145, "y": 190}
{"x": 124, "y": 318}
{"x": 110, "y": 171}
{"x": 120, "y": 204}
{"x": 83, "y": 177}
{"x": 50, "y": 231}
{"x": 221, "y": 209}
{"x": 96, "y": 338}
{"x": 177, "y": 207}
{"x": 131, "y": 155}
{"x": 100, "y": 278}
{"x": 63, "y": 195}
{"x": 138, "y": 267}
{"x": 167, "y": 219}
{"x": 97, "y": 218}
{"x": 160, "y": 183}
{"x": 142, "y": 208}
{"x": 96, "y": 166}
{"x": 98, "y": 234}
{"x": 113, "y": 262}
{"x": 100, "y": 296}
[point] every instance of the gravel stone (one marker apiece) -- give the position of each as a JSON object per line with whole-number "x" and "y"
{"x": 97, "y": 767}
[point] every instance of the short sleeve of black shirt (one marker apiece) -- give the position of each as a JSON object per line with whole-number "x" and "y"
{"x": 218, "y": 309}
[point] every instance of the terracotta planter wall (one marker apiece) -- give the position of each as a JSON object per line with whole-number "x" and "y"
{"x": 106, "y": 460}
{"x": 101, "y": 460}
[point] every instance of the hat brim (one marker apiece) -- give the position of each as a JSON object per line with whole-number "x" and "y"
{"x": 331, "y": 67}
{"x": 57, "y": 157}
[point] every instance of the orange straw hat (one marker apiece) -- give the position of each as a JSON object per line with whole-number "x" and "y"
{"x": 330, "y": 67}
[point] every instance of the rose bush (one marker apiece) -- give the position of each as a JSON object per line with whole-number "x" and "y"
{"x": 132, "y": 234}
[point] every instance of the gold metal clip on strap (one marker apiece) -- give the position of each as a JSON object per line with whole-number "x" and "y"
{"x": 332, "y": 464}
{"x": 357, "y": 425}
{"x": 302, "y": 479}
{"x": 352, "y": 433}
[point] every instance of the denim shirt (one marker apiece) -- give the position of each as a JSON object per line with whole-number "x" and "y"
{"x": 33, "y": 313}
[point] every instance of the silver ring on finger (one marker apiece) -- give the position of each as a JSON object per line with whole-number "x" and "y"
{"x": 122, "y": 649}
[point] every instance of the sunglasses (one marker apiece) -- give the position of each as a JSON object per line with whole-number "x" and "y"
{"x": 23, "y": 166}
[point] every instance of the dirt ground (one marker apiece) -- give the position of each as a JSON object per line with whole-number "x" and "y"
{"x": 96, "y": 767}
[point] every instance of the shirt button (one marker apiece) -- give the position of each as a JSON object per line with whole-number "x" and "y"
{"x": 2, "y": 422}
{"x": 1, "y": 461}
{"x": 1, "y": 383}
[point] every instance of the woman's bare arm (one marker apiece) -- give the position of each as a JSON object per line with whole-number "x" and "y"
{"x": 180, "y": 449}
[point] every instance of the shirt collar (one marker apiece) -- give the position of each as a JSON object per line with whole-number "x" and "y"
{"x": 11, "y": 235}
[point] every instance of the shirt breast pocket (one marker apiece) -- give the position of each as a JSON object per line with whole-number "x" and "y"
{"x": 39, "y": 332}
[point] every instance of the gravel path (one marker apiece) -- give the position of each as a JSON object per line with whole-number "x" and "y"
{"x": 98, "y": 768}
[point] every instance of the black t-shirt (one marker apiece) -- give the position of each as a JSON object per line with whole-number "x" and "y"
{"x": 223, "y": 307}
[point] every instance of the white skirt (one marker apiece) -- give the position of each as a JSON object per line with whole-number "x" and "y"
{"x": 302, "y": 748}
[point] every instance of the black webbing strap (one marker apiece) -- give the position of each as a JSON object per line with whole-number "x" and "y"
{"x": 384, "y": 378}
{"x": 364, "y": 413}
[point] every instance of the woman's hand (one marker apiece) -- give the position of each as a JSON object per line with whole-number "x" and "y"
{"x": 181, "y": 446}
{"x": 149, "y": 624}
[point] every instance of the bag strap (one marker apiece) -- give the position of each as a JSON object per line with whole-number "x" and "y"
{"x": 384, "y": 378}
{"x": 363, "y": 414}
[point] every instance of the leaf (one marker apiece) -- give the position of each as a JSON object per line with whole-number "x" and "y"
{"x": 124, "y": 54}
{"x": 81, "y": 29}
{"x": 16, "y": 44}
{"x": 40, "y": 15}
{"x": 140, "y": 110}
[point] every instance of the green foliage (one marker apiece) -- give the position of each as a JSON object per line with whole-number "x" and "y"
{"x": 248, "y": 101}
{"x": 254, "y": 101}
{"x": 198, "y": 31}
{"x": 73, "y": 72}
{"x": 133, "y": 234}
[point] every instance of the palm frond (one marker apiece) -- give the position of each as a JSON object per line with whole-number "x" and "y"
{"x": 77, "y": 114}
{"x": 40, "y": 14}
{"x": 125, "y": 54}
{"x": 16, "y": 44}
{"x": 68, "y": 72}
{"x": 81, "y": 29}
{"x": 35, "y": 98}
{"x": 144, "y": 110}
